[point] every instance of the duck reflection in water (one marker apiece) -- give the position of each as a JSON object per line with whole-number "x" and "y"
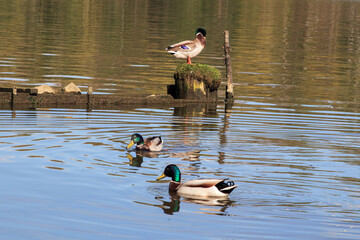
{"x": 138, "y": 159}
{"x": 169, "y": 207}
{"x": 172, "y": 205}
{"x": 135, "y": 161}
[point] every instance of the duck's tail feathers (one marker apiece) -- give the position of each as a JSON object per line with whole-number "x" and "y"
{"x": 161, "y": 141}
{"x": 226, "y": 187}
{"x": 169, "y": 50}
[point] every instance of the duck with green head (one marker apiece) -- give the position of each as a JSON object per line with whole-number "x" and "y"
{"x": 149, "y": 144}
{"x": 189, "y": 48}
{"x": 207, "y": 187}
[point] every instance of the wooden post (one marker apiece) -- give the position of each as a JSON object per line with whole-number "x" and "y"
{"x": 229, "y": 80}
{"x": 89, "y": 99}
{"x": 13, "y": 95}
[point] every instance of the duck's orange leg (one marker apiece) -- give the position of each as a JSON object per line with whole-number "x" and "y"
{"x": 188, "y": 60}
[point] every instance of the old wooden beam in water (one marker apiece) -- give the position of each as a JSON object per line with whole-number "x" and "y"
{"x": 20, "y": 90}
{"x": 12, "y": 100}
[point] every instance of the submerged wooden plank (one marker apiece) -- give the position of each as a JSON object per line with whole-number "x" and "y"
{"x": 98, "y": 101}
{"x": 20, "y": 90}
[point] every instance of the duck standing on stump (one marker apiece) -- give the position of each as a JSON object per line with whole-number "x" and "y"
{"x": 207, "y": 187}
{"x": 150, "y": 144}
{"x": 189, "y": 48}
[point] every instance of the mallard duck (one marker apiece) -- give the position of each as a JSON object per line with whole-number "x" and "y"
{"x": 189, "y": 48}
{"x": 207, "y": 187}
{"x": 150, "y": 143}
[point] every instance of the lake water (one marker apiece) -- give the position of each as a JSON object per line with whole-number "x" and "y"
{"x": 290, "y": 140}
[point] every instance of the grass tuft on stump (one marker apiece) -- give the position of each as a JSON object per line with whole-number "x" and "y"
{"x": 210, "y": 76}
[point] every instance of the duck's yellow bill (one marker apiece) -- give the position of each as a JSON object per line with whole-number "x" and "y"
{"x": 161, "y": 177}
{"x": 130, "y": 144}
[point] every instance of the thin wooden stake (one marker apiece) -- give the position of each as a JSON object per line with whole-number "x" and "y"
{"x": 90, "y": 90}
{"x": 89, "y": 99}
{"x": 229, "y": 79}
{"x": 89, "y": 94}
{"x": 13, "y": 94}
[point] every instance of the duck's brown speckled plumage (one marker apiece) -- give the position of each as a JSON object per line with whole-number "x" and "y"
{"x": 149, "y": 144}
{"x": 189, "y": 48}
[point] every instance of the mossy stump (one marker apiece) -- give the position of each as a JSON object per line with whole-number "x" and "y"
{"x": 195, "y": 81}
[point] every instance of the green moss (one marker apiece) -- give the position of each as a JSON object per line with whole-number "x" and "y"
{"x": 201, "y": 72}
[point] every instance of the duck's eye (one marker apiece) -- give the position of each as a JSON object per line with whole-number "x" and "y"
{"x": 137, "y": 139}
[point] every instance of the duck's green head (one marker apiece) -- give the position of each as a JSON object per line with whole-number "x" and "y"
{"x": 202, "y": 31}
{"x": 135, "y": 139}
{"x": 171, "y": 171}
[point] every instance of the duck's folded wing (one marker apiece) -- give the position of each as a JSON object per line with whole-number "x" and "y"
{"x": 184, "y": 46}
{"x": 153, "y": 141}
{"x": 203, "y": 183}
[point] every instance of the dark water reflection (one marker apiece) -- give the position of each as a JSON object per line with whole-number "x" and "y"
{"x": 290, "y": 139}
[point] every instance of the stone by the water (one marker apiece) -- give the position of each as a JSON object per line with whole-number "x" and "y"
{"x": 71, "y": 88}
{"x": 44, "y": 89}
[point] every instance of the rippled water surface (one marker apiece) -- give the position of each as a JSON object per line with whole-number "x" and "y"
{"x": 290, "y": 140}
{"x": 66, "y": 174}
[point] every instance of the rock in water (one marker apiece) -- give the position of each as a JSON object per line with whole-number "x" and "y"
{"x": 44, "y": 89}
{"x": 71, "y": 88}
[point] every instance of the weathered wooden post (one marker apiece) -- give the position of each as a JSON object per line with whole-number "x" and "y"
{"x": 89, "y": 98}
{"x": 229, "y": 80}
{"x": 13, "y": 96}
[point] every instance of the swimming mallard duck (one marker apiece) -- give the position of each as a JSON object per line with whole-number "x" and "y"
{"x": 189, "y": 48}
{"x": 207, "y": 187}
{"x": 150, "y": 144}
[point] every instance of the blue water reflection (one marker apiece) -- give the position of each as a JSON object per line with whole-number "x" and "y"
{"x": 69, "y": 170}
